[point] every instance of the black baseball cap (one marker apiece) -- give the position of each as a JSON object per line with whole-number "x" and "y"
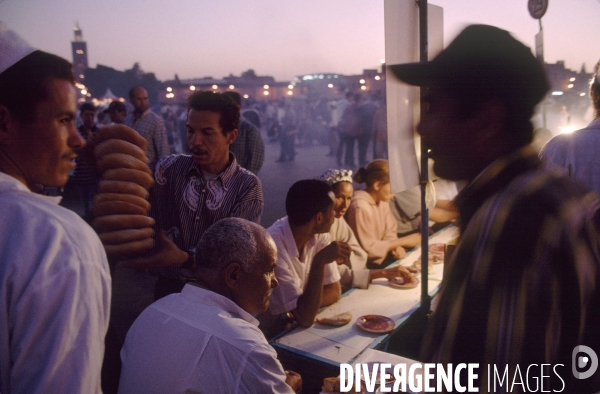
{"x": 485, "y": 58}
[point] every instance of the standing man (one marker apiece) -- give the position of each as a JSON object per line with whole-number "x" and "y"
{"x": 191, "y": 192}
{"x": 148, "y": 124}
{"x": 54, "y": 276}
{"x": 521, "y": 288}
{"x": 83, "y": 185}
{"x": 209, "y": 328}
{"x": 306, "y": 269}
{"x": 248, "y": 147}
{"x": 577, "y": 152}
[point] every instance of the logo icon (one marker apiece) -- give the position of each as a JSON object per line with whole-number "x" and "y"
{"x": 584, "y": 357}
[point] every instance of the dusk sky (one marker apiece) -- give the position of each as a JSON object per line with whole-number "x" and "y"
{"x": 198, "y": 38}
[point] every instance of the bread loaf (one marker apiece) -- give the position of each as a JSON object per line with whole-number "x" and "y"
{"x": 119, "y": 146}
{"x": 123, "y": 236}
{"x": 142, "y": 178}
{"x": 129, "y": 249}
{"x": 121, "y": 222}
{"x": 106, "y": 186}
{"x": 120, "y": 160}
{"x": 119, "y": 132}
{"x": 103, "y": 208}
{"x": 130, "y": 198}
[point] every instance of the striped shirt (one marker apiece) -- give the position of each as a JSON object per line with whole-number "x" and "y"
{"x": 184, "y": 204}
{"x": 522, "y": 285}
{"x": 85, "y": 170}
{"x": 249, "y": 148}
{"x": 152, "y": 128}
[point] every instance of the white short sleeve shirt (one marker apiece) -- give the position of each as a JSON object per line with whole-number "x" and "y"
{"x": 291, "y": 271}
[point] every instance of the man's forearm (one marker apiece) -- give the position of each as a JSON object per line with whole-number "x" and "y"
{"x": 309, "y": 302}
{"x": 331, "y": 293}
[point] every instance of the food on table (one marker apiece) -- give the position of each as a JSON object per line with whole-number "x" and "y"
{"x": 429, "y": 266}
{"x": 436, "y": 253}
{"x": 341, "y": 319}
{"x": 333, "y": 385}
{"x": 437, "y": 248}
{"x": 401, "y": 283}
{"x": 375, "y": 323}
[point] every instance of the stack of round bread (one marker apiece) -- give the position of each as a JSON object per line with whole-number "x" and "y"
{"x": 121, "y": 205}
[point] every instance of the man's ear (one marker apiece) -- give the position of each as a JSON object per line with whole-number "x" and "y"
{"x": 319, "y": 217}
{"x": 231, "y": 275}
{"x": 377, "y": 185}
{"x": 232, "y": 136}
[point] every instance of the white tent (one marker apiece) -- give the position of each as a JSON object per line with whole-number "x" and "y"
{"x": 109, "y": 95}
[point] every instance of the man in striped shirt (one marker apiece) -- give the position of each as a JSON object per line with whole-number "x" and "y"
{"x": 520, "y": 294}
{"x": 191, "y": 192}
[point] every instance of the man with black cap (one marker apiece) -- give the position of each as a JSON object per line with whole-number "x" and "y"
{"x": 54, "y": 276}
{"x": 521, "y": 287}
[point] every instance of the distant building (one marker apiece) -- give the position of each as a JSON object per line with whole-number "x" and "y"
{"x": 80, "y": 59}
{"x": 248, "y": 85}
{"x": 331, "y": 85}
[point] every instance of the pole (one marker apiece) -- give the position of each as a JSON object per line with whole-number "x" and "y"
{"x": 423, "y": 50}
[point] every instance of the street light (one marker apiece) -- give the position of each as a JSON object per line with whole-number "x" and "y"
{"x": 192, "y": 87}
{"x": 169, "y": 89}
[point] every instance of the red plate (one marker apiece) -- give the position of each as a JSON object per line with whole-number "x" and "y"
{"x": 398, "y": 282}
{"x": 377, "y": 324}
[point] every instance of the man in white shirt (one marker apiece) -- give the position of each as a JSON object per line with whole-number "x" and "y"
{"x": 205, "y": 339}
{"x": 54, "y": 277}
{"x": 306, "y": 270}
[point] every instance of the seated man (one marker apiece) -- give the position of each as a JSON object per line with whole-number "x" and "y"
{"x": 205, "y": 338}
{"x": 306, "y": 256}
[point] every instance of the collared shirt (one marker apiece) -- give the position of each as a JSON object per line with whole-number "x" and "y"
{"x": 577, "y": 153}
{"x": 184, "y": 204}
{"x": 522, "y": 285}
{"x": 54, "y": 296}
{"x": 202, "y": 342}
{"x": 152, "y": 128}
{"x": 249, "y": 148}
{"x": 291, "y": 271}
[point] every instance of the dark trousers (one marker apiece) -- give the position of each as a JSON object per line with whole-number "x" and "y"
{"x": 287, "y": 146}
{"x": 363, "y": 144}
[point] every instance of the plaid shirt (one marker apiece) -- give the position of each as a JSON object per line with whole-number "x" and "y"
{"x": 152, "y": 128}
{"x": 184, "y": 204}
{"x": 522, "y": 285}
{"x": 249, "y": 148}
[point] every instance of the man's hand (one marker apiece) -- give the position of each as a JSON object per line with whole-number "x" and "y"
{"x": 167, "y": 254}
{"x": 294, "y": 380}
{"x": 399, "y": 252}
{"x": 393, "y": 272}
{"x": 335, "y": 251}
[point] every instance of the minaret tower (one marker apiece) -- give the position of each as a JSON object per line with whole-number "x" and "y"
{"x": 80, "y": 60}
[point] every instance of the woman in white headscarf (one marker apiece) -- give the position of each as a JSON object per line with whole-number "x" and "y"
{"x": 355, "y": 274}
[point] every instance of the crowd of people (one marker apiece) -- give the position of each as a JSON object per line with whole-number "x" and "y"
{"x": 521, "y": 288}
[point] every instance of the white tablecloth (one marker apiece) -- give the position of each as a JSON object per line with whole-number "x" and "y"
{"x": 344, "y": 344}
